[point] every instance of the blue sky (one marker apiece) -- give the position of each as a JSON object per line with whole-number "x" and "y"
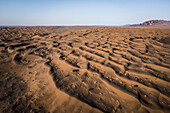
{"x": 82, "y": 12}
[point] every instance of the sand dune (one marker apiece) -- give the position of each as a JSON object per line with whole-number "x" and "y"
{"x": 97, "y": 69}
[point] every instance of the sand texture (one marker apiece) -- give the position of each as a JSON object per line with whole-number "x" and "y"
{"x": 86, "y": 70}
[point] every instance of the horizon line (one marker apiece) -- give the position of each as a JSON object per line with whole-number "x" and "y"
{"x": 1, "y": 25}
{"x": 112, "y": 25}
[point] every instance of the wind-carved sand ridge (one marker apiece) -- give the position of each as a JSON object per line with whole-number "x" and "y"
{"x": 99, "y": 69}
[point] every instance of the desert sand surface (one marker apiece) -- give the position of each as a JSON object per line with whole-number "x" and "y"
{"x": 84, "y": 70}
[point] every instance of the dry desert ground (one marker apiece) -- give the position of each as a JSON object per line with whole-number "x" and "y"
{"x": 84, "y": 70}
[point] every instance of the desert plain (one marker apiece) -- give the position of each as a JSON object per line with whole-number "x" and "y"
{"x": 84, "y": 70}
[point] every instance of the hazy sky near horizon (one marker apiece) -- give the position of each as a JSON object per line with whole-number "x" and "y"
{"x": 82, "y": 12}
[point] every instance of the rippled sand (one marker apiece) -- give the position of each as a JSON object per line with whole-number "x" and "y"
{"x": 96, "y": 69}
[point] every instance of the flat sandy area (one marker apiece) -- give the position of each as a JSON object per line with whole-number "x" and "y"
{"x": 84, "y": 70}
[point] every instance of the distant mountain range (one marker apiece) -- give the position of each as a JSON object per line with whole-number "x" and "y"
{"x": 153, "y": 24}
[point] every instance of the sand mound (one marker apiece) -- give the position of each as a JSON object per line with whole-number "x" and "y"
{"x": 91, "y": 70}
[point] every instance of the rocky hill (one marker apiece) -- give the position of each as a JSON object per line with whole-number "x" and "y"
{"x": 154, "y": 24}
